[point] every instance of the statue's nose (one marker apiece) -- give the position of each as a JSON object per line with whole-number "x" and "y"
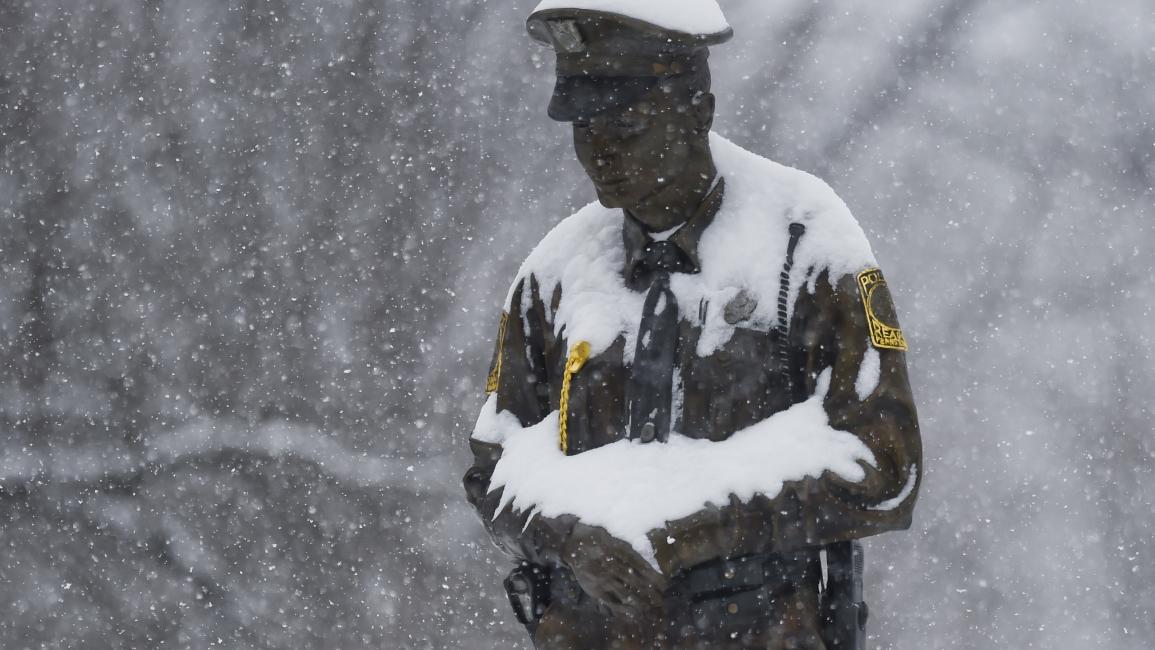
{"x": 606, "y": 152}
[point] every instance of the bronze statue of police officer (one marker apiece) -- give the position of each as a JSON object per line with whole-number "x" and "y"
{"x": 771, "y": 570}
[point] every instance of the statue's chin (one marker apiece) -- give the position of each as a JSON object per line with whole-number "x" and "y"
{"x": 610, "y": 199}
{"x": 615, "y": 197}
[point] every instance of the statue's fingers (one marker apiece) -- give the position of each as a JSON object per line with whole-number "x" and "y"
{"x": 642, "y": 572}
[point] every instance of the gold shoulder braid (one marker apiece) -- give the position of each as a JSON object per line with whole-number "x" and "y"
{"x": 578, "y": 355}
{"x": 495, "y": 369}
{"x": 880, "y": 313}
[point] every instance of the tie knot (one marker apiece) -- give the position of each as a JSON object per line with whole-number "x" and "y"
{"x": 664, "y": 256}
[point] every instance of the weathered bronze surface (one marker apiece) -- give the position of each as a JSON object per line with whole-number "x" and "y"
{"x": 650, "y": 156}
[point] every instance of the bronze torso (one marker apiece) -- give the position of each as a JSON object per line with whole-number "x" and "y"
{"x": 763, "y": 368}
{"x": 753, "y": 366}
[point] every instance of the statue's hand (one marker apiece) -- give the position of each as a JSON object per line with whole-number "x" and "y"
{"x": 612, "y": 571}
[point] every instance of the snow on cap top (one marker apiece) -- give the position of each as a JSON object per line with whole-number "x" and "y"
{"x": 696, "y": 17}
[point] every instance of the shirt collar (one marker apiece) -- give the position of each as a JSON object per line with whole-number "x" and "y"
{"x": 635, "y": 236}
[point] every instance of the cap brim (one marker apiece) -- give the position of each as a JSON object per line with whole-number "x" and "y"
{"x": 584, "y": 96}
{"x": 535, "y": 25}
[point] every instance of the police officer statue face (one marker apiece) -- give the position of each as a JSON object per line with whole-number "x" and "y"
{"x": 651, "y": 157}
{"x": 638, "y": 97}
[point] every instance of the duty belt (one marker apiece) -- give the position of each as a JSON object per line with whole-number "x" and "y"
{"x": 738, "y": 591}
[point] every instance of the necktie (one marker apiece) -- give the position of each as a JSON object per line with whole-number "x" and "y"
{"x": 650, "y": 389}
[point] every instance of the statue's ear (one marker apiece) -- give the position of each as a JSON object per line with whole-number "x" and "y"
{"x": 703, "y": 106}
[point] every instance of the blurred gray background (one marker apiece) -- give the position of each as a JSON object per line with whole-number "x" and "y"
{"x": 253, "y": 254}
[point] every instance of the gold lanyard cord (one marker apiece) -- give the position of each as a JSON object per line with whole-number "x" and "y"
{"x": 578, "y": 355}
{"x": 494, "y": 380}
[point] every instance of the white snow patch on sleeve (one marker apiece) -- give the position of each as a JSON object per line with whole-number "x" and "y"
{"x": 891, "y": 504}
{"x": 869, "y": 373}
{"x": 631, "y": 488}
{"x": 493, "y": 426}
{"x": 688, "y": 16}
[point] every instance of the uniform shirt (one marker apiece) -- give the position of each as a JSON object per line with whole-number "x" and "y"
{"x": 768, "y": 358}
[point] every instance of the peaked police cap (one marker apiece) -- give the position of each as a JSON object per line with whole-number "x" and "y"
{"x": 607, "y": 60}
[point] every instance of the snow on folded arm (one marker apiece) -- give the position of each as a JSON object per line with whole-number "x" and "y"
{"x": 743, "y": 249}
{"x": 630, "y": 488}
{"x": 688, "y": 16}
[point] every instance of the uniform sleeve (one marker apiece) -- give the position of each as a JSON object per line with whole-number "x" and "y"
{"x": 519, "y": 382}
{"x": 869, "y": 396}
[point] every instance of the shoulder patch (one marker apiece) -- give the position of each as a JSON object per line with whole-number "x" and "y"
{"x": 494, "y": 378}
{"x": 880, "y": 312}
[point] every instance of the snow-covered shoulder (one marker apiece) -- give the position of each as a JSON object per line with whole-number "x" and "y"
{"x": 764, "y": 197}
{"x": 630, "y": 488}
{"x": 745, "y": 248}
{"x": 591, "y": 232}
{"x": 584, "y": 255}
